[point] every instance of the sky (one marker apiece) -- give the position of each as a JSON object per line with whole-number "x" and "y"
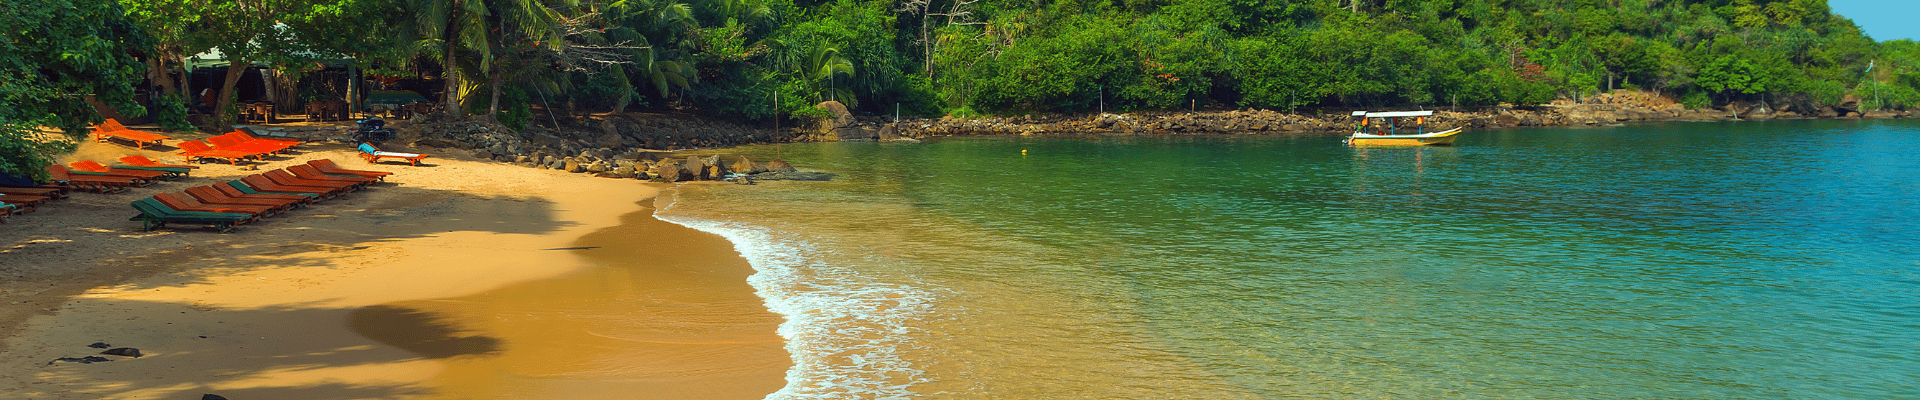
{"x": 1882, "y": 19}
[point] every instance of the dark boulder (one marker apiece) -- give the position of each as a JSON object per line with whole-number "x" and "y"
{"x": 697, "y": 167}
{"x": 778, "y": 165}
{"x": 123, "y": 351}
{"x": 746, "y": 166}
{"x": 671, "y": 172}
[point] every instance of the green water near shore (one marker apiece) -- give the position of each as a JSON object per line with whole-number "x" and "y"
{"x": 1673, "y": 260}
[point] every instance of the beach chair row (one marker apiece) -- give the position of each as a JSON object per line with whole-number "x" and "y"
{"x": 21, "y": 200}
{"x": 234, "y": 147}
{"x": 135, "y": 171}
{"x": 245, "y": 200}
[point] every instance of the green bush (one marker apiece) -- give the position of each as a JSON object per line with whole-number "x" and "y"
{"x": 170, "y": 111}
{"x": 515, "y": 110}
{"x": 1696, "y": 100}
{"x": 27, "y": 152}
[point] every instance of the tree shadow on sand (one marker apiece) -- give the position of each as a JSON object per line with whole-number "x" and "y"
{"x": 303, "y": 367}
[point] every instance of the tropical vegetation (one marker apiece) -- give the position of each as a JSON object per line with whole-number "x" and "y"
{"x": 759, "y": 59}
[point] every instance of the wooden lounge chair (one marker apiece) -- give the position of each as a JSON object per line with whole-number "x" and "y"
{"x": 207, "y": 195}
{"x": 227, "y": 188}
{"x": 111, "y": 129}
{"x": 328, "y": 167}
{"x": 261, "y": 183}
{"x": 373, "y": 155}
{"x": 285, "y": 178}
{"x": 244, "y": 139}
{"x": 23, "y": 203}
{"x": 93, "y": 183}
{"x": 7, "y": 211}
{"x": 55, "y": 193}
{"x": 248, "y": 137}
{"x": 236, "y": 187}
{"x": 142, "y": 161}
{"x": 198, "y": 150}
{"x": 154, "y": 215}
{"x": 183, "y": 202}
{"x": 255, "y": 150}
{"x": 304, "y": 171}
{"x": 172, "y": 173}
{"x": 91, "y": 167}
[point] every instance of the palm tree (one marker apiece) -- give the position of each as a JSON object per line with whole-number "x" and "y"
{"x": 445, "y": 27}
{"x": 652, "y": 27}
{"x": 826, "y": 63}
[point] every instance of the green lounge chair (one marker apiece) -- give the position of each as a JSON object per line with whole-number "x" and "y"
{"x": 242, "y": 187}
{"x": 154, "y": 215}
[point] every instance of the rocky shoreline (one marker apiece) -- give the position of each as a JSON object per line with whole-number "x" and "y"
{"x": 1606, "y": 109}
{"x": 639, "y": 146}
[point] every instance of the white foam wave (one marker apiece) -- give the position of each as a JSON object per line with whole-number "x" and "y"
{"x": 844, "y": 330}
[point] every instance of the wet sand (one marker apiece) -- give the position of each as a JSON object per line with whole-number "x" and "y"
{"x": 452, "y": 281}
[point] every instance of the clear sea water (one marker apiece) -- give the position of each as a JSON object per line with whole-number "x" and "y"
{"x": 1739, "y": 260}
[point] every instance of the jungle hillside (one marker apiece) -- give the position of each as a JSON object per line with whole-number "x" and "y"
{"x": 62, "y": 61}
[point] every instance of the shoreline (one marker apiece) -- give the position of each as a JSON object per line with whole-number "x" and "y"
{"x": 269, "y": 311}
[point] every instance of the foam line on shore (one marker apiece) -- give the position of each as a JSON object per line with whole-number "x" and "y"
{"x": 845, "y": 331}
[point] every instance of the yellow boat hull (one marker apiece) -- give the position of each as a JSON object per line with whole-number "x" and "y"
{"x": 1431, "y": 139}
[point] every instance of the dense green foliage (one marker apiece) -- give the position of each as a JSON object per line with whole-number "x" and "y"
{"x": 55, "y": 54}
{"x": 757, "y": 59}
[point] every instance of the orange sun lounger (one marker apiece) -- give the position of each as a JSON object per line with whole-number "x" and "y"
{"x": 248, "y": 137}
{"x": 256, "y": 150}
{"x": 207, "y": 195}
{"x": 143, "y": 161}
{"x": 182, "y": 202}
{"x": 228, "y": 189}
{"x": 283, "y": 177}
{"x": 261, "y": 183}
{"x": 308, "y": 172}
{"x": 111, "y": 129}
{"x": 198, "y": 150}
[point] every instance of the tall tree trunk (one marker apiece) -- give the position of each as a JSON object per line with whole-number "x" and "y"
{"x": 222, "y": 115}
{"x": 449, "y": 73}
{"x": 158, "y": 73}
{"x": 493, "y": 109}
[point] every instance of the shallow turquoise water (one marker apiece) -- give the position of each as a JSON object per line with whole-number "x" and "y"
{"x": 1676, "y": 260}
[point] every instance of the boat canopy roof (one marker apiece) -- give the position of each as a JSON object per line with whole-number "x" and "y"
{"x": 1391, "y": 114}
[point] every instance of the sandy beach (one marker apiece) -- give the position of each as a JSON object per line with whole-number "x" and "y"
{"x": 455, "y": 279}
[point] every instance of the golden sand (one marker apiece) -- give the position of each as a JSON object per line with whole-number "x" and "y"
{"x": 458, "y": 279}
